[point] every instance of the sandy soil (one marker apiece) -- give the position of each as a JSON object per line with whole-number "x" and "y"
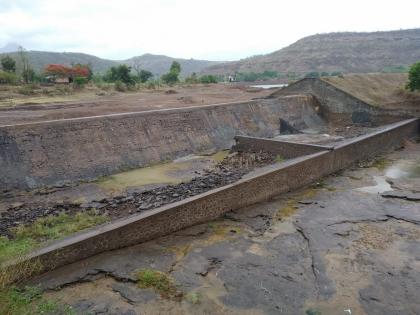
{"x": 87, "y": 104}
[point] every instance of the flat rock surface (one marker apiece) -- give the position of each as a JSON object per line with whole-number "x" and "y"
{"x": 332, "y": 248}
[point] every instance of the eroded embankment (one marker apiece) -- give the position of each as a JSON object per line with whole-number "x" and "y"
{"x": 69, "y": 150}
{"x": 341, "y": 106}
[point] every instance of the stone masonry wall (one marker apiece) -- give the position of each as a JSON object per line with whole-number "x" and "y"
{"x": 48, "y": 153}
{"x": 285, "y": 149}
{"x": 260, "y": 187}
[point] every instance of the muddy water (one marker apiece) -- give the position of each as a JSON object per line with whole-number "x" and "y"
{"x": 173, "y": 172}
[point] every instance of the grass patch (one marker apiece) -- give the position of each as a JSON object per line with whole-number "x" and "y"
{"x": 28, "y": 237}
{"x": 193, "y": 297}
{"x": 223, "y": 230}
{"x": 380, "y": 163}
{"x": 158, "y": 281}
{"x": 28, "y": 301}
{"x": 288, "y": 210}
{"x": 220, "y": 156}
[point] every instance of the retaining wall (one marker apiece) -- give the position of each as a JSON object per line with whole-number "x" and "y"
{"x": 285, "y": 149}
{"x": 258, "y": 187}
{"x": 69, "y": 150}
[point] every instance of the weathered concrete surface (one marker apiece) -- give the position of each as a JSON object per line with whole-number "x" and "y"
{"x": 340, "y": 106}
{"x": 323, "y": 250}
{"x": 275, "y": 179}
{"x": 285, "y": 149}
{"x": 69, "y": 150}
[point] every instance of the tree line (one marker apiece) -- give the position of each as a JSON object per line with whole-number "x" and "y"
{"x": 122, "y": 76}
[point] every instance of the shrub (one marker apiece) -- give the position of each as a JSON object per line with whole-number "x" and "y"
{"x": 120, "y": 86}
{"x": 313, "y": 74}
{"x": 192, "y": 78}
{"x": 7, "y": 78}
{"x": 28, "y": 89}
{"x": 414, "y": 77}
{"x": 208, "y": 79}
{"x": 79, "y": 82}
{"x": 120, "y": 73}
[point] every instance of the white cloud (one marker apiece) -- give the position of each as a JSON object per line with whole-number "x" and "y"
{"x": 217, "y": 29}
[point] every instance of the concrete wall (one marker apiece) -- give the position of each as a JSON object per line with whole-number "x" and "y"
{"x": 285, "y": 149}
{"x": 336, "y": 104}
{"x": 49, "y": 153}
{"x": 281, "y": 178}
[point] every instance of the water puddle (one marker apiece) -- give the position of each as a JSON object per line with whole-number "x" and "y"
{"x": 174, "y": 172}
{"x": 404, "y": 169}
{"x": 381, "y": 186}
{"x": 268, "y": 86}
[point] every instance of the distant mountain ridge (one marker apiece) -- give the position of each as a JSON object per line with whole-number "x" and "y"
{"x": 157, "y": 64}
{"x": 347, "y": 52}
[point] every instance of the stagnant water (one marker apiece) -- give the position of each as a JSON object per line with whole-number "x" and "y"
{"x": 398, "y": 170}
{"x": 268, "y": 86}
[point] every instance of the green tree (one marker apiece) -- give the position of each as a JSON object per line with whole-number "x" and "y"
{"x": 172, "y": 76}
{"x": 120, "y": 73}
{"x": 175, "y": 67}
{"x": 414, "y": 77}
{"x": 144, "y": 75}
{"x": 8, "y": 64}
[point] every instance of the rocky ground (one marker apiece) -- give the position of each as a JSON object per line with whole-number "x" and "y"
{"x": 229, "y": 170}
{"x": 346, "y": 245}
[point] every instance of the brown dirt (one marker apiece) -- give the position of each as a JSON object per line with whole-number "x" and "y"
{"x": 85, "y": 104}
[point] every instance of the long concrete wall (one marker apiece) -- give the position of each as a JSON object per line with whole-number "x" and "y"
{"x": 49, "y": 153}
{"x": 285, "y": 149}
{"x": 336, "y": 104}
{"x": 283, "y": 177}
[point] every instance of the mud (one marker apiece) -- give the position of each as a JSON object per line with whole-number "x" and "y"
{"x": 327, "y": 249}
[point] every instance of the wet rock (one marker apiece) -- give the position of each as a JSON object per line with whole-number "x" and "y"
{"x": 133, "y": 294}
{"x": 401, "y": 195}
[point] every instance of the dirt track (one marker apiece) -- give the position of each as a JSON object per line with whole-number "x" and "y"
{"x": 90, "y": 104}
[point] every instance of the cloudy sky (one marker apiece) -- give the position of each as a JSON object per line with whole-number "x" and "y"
{"x": 201, "y": 29}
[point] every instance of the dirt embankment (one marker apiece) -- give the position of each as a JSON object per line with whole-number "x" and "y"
{"x": 84, "y": 104}
{"x": 386, "y": 90}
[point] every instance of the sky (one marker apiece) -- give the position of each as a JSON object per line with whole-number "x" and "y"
{"x": 199, "y": 29}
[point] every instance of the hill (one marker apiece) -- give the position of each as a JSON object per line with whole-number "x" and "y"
{"x": 343, "y": 52}
{"x": 157, "y": 64}
{"x": 39, "y": 59}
